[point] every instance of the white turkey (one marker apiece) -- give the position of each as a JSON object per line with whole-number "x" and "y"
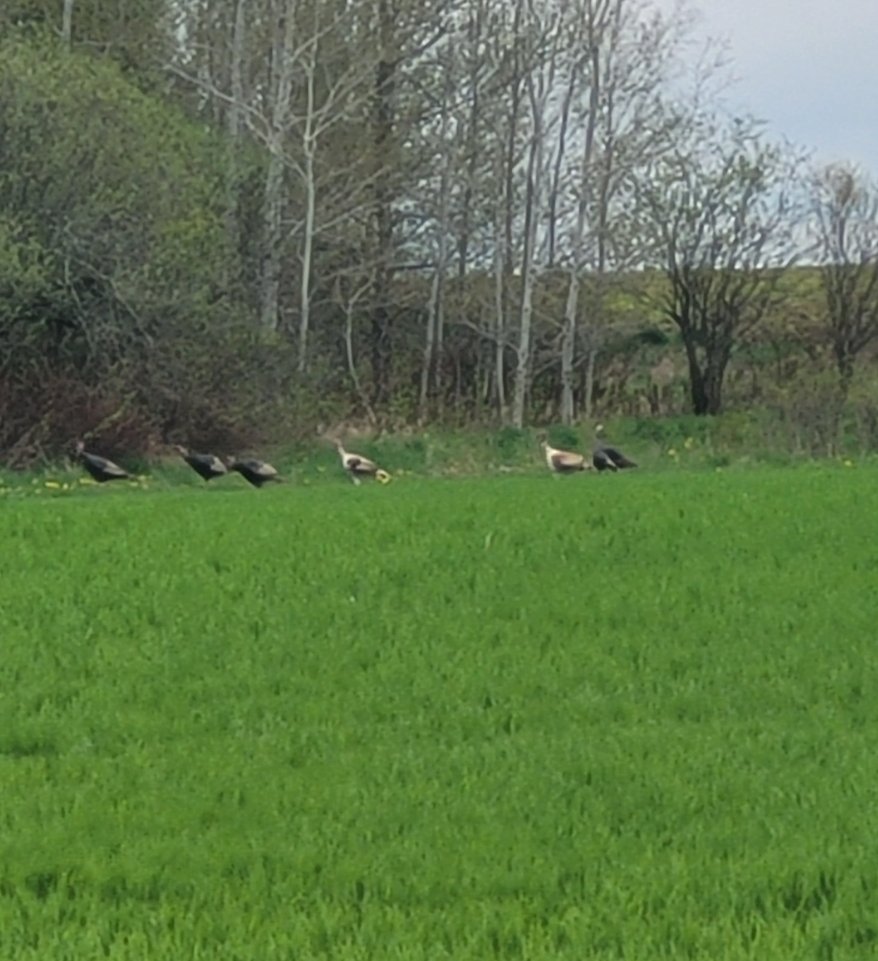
{"x": 358, "y": 466}
{"x": 564, "y": 461}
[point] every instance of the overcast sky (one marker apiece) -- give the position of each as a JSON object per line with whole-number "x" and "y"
{"x": 809, "y": 67}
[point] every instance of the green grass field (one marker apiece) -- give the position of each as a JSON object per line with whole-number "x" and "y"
{"x": 502, "y": 717}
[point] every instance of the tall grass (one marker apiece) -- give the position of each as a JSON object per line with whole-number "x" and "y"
{"x": 512, "y": 717}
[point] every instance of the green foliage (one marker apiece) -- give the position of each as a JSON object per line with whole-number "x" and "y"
{"x": 511, "y": 442}
{"x": 439, "y": 720}
{"x": 565, "y": 437}
{"x": 114, "y": 261}
{"x": 135, "y": 34}
{"x": 120, "y": 187}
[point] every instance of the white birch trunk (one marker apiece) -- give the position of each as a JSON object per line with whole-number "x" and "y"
{"x": 309, "y": 148}
{"x": 532, "y": 207}
{"x": 352, "y": 364}
{"x": 571, "y": 307}
{"x": 499, "y": 303}
{"x": 273, "y": 194}
{"x": 555, "y": 188}
{"x": 67, "y": 23}
{"x": 233, "y": 125}
{"x": 539, "y": 83}
{"x": 435, "y": 305}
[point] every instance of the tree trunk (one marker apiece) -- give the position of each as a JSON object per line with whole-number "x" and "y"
{"x": 555, "y": 187}
{"x": 272, "y": 243}
{"x": 844, "y": 362}
{"x": 539, "y": 82}
{"x": 233, "y": 126}
{"x": 568, "y": 343}
{"x": 307, "y": 258}
{"x": 273, "y": 195}
{"x": 531, "y": 217}
{"x": 431, "y": 367}
{"x": 590, "y": 357}
{"x": 705, "y": 379}
{"x": 382, "y": 136}
{"x": 67, "y": 23}
{"x": 309, "y": 147}
{"x": 571, "y": 309}
{"x": 472, "y": 150}
{"x": 352, "y": 365}
{"x": 499, "y": 309}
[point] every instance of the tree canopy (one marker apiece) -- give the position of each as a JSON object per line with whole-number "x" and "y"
{"x": 247, "y": 217}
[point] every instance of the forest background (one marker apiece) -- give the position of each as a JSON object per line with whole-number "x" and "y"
{"x": 239, "y": 222}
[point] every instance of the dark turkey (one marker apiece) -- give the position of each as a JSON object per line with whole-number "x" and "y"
{"x": 101, "y": 469}
{"x": 257, "y": 472}
{"x": 207, "y": 466}
{"x": 609, "y": 458}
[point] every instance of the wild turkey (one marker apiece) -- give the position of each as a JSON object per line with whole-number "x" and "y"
{"x": 609, "y": 458}
{"x": 207, "y": 466}
{"x": 564, "y": 461}
{"x": 358, "y": 466}
{"x": 257, "y": 472}
{"x": 101, "y": 469}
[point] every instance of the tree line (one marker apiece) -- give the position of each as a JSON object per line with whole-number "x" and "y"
{"x": 227, "y": 218}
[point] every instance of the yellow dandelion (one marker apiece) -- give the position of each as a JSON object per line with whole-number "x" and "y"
{"x": 52, "y": 485}
{"x": 672, "y": 452}
{"x": 87, "y": 482}
{"x": 848, "y": 463}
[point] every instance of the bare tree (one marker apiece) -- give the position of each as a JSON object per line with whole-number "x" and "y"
{"x": 274, "y": 196}
{"x": 593, "y": 25}
{"x": 543, "y": 34}
{"x": 845, "y": 206}
{"x": 348, "y": 292}
{"x": 67, "y": 23}
{"x": 629, "y": 52}
{"x": 330, "y": 94}
{"x": 235, "y": 127}
{"x": 478, "y": 83}
{"x": 576, "y": 67}
{"x": 311, "y": 89}
{"x": 505, "y": 47}
{"x": 436, "y": 303}
{"x": 401, "y": 38}
{"x": 722, "y": 211}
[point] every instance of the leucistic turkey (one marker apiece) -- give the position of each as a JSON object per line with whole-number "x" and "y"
{"x": 358, "y": 466}
{"x": 609, "y": 458}
{"x": 254, "y": 471}
{"x": 207, "y": 466}
{"x": 564, "y": 461}
{"x": 101, "y": 469}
